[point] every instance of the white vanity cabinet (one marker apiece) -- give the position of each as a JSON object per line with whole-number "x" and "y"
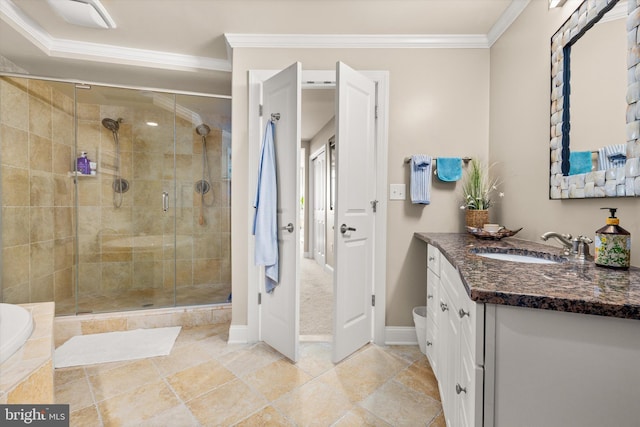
{"x": 455, "y": 328}
{"x": 553, "y": 346}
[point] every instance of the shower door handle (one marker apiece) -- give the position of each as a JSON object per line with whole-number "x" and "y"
{"x": 165, "y": 201}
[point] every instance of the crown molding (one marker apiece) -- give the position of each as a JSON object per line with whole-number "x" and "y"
{"x": 508, "y": 17}
{"x": 139, "y": 57}
{"x": 73, "y": 49}
{"x": 373, "y": 41}
{"x": 424, "y": 41}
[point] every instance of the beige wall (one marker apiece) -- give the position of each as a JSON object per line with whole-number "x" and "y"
{"x": 519, "y": 143}
{"x": 439, "y": 105}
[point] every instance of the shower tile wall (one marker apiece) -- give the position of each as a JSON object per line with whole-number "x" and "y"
{"x": 126, "y": 254}
{"x": 37, "y": 134}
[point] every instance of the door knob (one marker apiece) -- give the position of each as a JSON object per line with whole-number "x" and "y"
{"x": 288, "y": 227}
{"x": 344, "y": 228}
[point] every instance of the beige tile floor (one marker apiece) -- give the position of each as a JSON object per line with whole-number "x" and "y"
{"x": 207, "y": 382}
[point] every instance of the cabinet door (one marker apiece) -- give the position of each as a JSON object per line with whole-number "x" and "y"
{"x": 449, "y": 355}
{"x": 433, "y": 283}
{"x": 432, "y": 347}
{"x": 468, "y": 394}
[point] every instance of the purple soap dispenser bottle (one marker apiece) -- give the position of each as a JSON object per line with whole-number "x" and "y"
{"x": 83, "y": 164}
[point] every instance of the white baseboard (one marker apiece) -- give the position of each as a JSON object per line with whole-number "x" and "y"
{"x": 238, "y": 334}
{"x": 400, "y": 335}
{"x": 394, "y": 335}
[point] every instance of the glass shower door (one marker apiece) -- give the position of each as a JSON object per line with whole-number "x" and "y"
{"x": 126, "y": 204}
{"x": 203, "y": 179}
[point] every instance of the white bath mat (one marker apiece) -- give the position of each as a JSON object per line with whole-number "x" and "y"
{"x": 116, "y": 346}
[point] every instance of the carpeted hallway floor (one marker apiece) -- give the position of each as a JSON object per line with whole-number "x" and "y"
{"x": 316, "y": 299}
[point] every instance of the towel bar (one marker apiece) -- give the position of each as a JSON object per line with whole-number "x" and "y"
{"x": 464, "y": 159}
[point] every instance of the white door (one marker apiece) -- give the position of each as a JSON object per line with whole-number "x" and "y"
{"x": 279, "y": 312}
{"x": 354, "y": 222}
{"x": 319, "y": 202}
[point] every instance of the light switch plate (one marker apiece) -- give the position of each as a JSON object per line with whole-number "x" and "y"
{"x": 397, "y": 191}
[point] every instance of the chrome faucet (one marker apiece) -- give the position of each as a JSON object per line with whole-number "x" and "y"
{"x": 565, "y": 239}
{"x": 580, "y": 247}
{"x": 576, "y": 246}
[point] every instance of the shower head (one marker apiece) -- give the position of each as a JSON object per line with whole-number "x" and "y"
{"x": 112, "y": 125}
{"x": 203, "y": 130}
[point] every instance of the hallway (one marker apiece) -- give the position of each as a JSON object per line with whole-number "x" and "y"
{"x": 316, "y": 299}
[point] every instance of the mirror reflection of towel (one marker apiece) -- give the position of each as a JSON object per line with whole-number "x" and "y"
{"x": 612, "y": 156}
{"x": 580, "y": 162}
{"x": 449, "y": 169}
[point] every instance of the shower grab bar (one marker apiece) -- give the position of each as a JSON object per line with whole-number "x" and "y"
{"x": 165, "y": 201}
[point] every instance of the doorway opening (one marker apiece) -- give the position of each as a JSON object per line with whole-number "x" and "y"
{"x": 317, "y": 184}
{"x": 360, "y": 245}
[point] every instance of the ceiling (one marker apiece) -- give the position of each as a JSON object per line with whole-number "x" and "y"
{"x": 181, "y": 45}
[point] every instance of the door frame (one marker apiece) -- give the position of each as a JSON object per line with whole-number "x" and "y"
{"x": 311, "y": 197}
{"x": 381, "y": 78}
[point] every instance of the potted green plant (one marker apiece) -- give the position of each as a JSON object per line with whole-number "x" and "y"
{"x": 477, "y": 189}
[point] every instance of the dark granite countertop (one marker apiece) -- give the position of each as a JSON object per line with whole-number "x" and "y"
{"x": 572, "y": 286}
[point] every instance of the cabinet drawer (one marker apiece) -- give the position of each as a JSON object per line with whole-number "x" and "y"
{"x": 433, "y": 259}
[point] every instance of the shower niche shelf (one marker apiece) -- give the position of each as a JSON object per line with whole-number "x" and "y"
{"x": 74, "y": 174}
{"x": 93, "y": 157}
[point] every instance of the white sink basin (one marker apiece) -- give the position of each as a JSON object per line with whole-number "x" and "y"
{"x": 517, "y": 258}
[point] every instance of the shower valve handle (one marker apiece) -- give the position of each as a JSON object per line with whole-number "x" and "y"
{"x": 165, "y": 201}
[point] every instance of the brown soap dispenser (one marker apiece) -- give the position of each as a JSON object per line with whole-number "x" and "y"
{"x": 613, "y": 244}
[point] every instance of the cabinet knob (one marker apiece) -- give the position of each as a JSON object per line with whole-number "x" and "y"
{"x": 463, "y": 313}
{"x": 444, "y": 306}
{"x": 432, "y": 258}
{"x": 429, "y": 343}
{"x": 460, "y": 389}
{"x": 429, "y": 296}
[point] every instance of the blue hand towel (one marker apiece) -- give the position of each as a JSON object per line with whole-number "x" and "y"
{"x": 449, "y": 169}
{"x": 420, "y": 179}
{"x": 580, "y": 162}
{"x": 266, "y": 203}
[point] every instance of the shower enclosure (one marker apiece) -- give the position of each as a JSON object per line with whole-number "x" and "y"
{"x": 148, "y": 226}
